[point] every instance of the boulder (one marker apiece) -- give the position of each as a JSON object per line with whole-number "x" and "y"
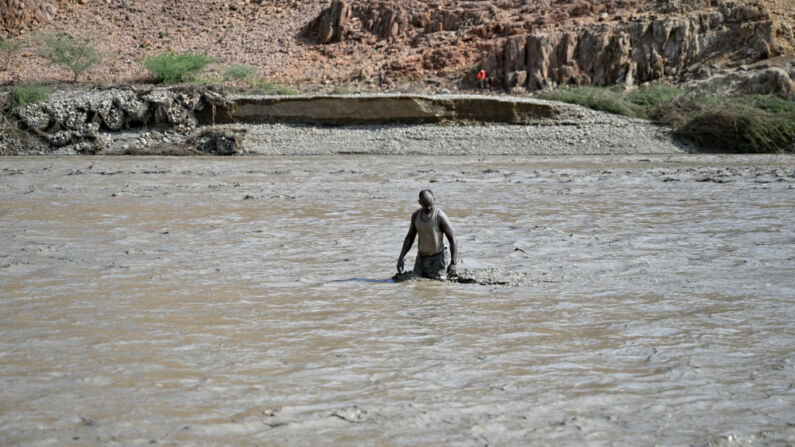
{"x": 134, "y": 108}
{"x": 218, "y": 141}
{"x": 34, "y": 117}
{"x": 770, "y": 81}
{"x": 113, "y": 118}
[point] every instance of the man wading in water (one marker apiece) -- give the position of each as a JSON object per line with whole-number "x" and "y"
{"x": 430, "y": 222}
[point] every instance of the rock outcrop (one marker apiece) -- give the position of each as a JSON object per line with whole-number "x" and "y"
{"x": 637, "y": 51}
{"x": 536, "y": 44}
{"x": 217, "y": 141}
{"x": 76, "y": 122}
{"x": 331, "y": 25}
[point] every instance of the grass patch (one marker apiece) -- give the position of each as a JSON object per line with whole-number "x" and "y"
{"x": 597, "y": 98}
{"x": 638, "y": 103}
{"x": 76, "y": 54}
{"x": 747, "y": 123}
{"x": 650, "y": 96}
{"x": 211, "y": 80}
{"x": 239, "y": 72}
{"x": 261, "y": 87}
{"x": 343, "y": 89}
{"x": 28, "y": 94}
{"x": 171, "y": 68}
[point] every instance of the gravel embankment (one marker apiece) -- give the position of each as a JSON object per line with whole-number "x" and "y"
{"x": 575, "y": 131}
{"x": 612, "y": 136}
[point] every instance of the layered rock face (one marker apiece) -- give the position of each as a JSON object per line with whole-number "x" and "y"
{"x": 638, "y": 51}
{"x": 535, "y": 44}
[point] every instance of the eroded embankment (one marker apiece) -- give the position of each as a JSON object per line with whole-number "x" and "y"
{"x": 382, "y": 109}
{"x": 186, "y": 120}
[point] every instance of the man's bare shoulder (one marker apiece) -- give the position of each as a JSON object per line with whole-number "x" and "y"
{"x": 442, "y": 219}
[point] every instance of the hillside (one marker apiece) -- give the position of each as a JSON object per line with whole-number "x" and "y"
{"x": 520, "y": 43}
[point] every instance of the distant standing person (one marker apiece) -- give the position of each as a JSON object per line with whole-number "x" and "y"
{"x": 381, "y": 78}
{"x": 482, "y": 79}
{"x": 429, "y": 222}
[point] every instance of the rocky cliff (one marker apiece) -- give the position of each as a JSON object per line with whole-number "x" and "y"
{"x": 533, "y": 45}
{"x": 421, "y": 45}
{"x": 640, "y": 50}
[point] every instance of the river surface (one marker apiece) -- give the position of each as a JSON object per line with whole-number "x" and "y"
{"x": 247, "y": 301}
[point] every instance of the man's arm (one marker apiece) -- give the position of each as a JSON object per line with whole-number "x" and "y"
{"x": 444, "y": 223}
{"x": 407, "y": 243}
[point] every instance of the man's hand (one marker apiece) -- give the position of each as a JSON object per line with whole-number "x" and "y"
{"x": 451, "y": 271}
{"x": 400, "y": 265}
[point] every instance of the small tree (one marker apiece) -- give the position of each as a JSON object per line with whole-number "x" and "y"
{"x": 78, "y": 55}
{"x": 7, "y": 48}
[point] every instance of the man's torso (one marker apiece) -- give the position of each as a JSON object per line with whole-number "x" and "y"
{"x": 429, "y": 233}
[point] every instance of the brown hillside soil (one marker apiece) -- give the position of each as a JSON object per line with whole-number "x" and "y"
{"x": 433, "y": 43}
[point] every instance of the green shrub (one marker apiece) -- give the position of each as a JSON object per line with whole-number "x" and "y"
{"x": 28, "y": 94}
{"x": 752, "y": 123}
{"x": 78, "y": 55}
{"x": 239, "y": 72}
{"x": 747, "y": 123}
{"x": 637, "y": 103}
{"x": 172, "y": 68}
{"x": 652, "y": 95}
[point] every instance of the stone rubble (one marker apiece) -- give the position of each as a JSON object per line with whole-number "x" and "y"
{"x": 72, "y": 121}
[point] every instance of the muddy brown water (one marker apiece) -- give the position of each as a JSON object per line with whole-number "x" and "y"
{"x": 246, "y": 301}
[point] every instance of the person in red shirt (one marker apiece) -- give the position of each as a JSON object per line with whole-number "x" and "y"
{"x": 482, "y": 78}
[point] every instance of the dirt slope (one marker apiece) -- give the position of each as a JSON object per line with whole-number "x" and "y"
{"x": 522, "y": 43}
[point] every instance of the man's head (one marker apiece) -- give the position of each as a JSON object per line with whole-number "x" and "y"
{"x": 426, "y": 200}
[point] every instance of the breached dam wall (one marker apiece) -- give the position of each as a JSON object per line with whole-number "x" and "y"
{"x": 378, "y": 109}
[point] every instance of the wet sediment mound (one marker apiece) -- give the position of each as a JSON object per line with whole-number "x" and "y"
{"x": 489, "y": 276}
